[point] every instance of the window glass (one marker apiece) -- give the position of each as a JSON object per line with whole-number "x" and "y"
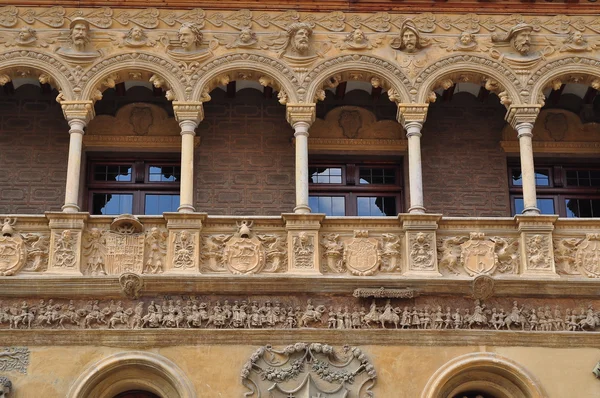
{"x": 325, "y": 175}
{"x": 582, "y": 208}
{"x": 583, "y": 178}
{"x": 546, "y": 205}
{"x": 376, "y": 206}
{"x": 104, "y": 172}
{"x": 160, "y": 203}
{"x": 164, "y": 173}
{"x": 542, "y": 178}
{"x": 112, "y": 203}
{"x": 372, "y": 175}
{"x": 330, "y": 205}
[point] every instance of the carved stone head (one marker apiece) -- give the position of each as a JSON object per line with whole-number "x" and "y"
{"x": 79, "y": 33}
{"x": 26, "y": 35}
{"x": 5, "y": 387}
{"x": 190, "y": 37}
{"x": 520, "y": 38}
{"x": 247, "y": 36}
{"x": 409, "y": 40}
{"x": 299, "y": 34}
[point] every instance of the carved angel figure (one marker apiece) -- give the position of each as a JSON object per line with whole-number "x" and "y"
{"x": 94, "y": 249}
{"x": 27, "y": 37}
{"x": 390, "y": 251}
{"x": 136, "y": 37}
{"x": 245, "y": 39}
{"x": 356, "y": 40}
{"x": 576, "y": 42}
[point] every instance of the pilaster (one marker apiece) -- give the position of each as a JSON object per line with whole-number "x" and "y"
{"x": 420, "y": 244}
{"x": 66, "y": 232}
{"x": 303, "y": 242}
{"x": 536, "y": 247}
{"x": 184, "y": 242}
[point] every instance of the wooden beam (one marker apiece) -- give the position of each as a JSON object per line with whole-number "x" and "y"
{"x": 340, "y": 90}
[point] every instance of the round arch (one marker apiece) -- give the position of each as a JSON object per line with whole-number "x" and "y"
{"x": 544, "y": 76}
{"x": 42, "y": 62}
{"x": 258, "y": 64}
{"x": 371, "y": 66}
{"x": 486, "y": 372}
{"x": 468, "y": 65}
{"x": 133, "y": 370}
{"x": 145, "y": 62}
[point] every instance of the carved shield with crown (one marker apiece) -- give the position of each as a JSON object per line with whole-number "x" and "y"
{"x": 588, "y": 255}
{"x": 478, "y": 255}
{"x": 12, "y": 254}
{"x": 360, "y": 254}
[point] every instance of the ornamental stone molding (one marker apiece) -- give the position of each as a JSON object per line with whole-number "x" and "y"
{"x": 81, "y": 52}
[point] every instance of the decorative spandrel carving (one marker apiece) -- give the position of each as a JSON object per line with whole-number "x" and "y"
{"x": 156, "y": 251}
{"x": 246, "y": 38}
{"x": 478, "y": 255}
{"x": 38, "y": 246}
{"x": 27, "y": 37}
{"x": 421, "y": 251}
{"x": 304, "y": 250}
{"x": 588, "y": 255}
{"x": 94, "y": 250}
{"x": 14, "y": 359}
{"x": 520, "y": 41}
{"x": 125, "y": 246}
{"x": 66, "y": 249}
{"x": 13, "y": 253}
{"x": 538, "y": 252}
{"x": 77, "y": 46}
{"x": 305, "y": 370}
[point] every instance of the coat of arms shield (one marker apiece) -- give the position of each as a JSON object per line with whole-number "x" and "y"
{"x": 588, "y": 255}
{"x": 12, "y": 254}
{"x": 478, "y": 256}
{"x": 244, "y": 255}
{"x": 361, "y": 256}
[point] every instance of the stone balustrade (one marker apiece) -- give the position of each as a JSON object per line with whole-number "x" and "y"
{"x": 411, "y": 246}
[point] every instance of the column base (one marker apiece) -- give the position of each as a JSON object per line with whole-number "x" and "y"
{"x": 531, "y": 211}
{"x": 416, "y": 210}
{"x": 186, "y": 209}
{"x": 302, "y": 209}
{"x": 70, "y": 208}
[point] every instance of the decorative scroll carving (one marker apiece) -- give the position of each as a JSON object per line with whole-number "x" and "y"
{"x": 14, "y": 359}
{"x": 184, "y": 250}
{"x": 309, "y": 370}
{"x": 13, "y": 253}
{"x": 385, "y": 293}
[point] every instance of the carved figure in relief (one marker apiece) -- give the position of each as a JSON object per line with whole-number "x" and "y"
{"x": 515, "y": 317}
{"x": 65, "y": 249}
{"x": 27, "y": 37}
{"x": 450, "y": 253}
{"x": 576, "y": 42}
{"x": 190, "y": 44}
{"x": 6, "y": 387}
{"x": 245, "y": 39}
{"x": 136, "y": 37}
{"x": 538, "y": 252}
{"x": 94, "y": 249}
{"x": 275, "y": 249}
{"x": 156, "y": 250}
{"x": 409, "y": 40}
{"x": 421, "y": 252}
{"x": 244, "y": 252}
{"x": 303, "y": 250}
{"x": 183, "y": 250}
{"x": 311, "y": 314}
{"x": 356, "y": 40}
{"x": 190, "y": 37}
{"x": 78, "y": 48}
{"x": 565, "y": 255}
{"x": 508, "y": 254}
{"x": 333, "y": 251}
{"x": 37, "y": 252}
{"x": 519, "y": 37}
{"x": 299, "y": 39}
{"x": 588, "y": 255}
{"x": 390, "y": 252}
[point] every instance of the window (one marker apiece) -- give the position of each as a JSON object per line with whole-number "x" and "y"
{"x": 355, "y": 189}
{"x": 132, "y": 185}
{"x": 569, "y": 190}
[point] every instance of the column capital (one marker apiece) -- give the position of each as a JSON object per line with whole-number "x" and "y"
{"x": 518, "y": 114}
{"x": 192, "y": 111}
{"x": 408, "y": 113}
{"x": 81, "y": 110}
{"x": 300, "y": 113}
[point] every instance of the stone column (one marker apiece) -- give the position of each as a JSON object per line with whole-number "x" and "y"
{"x": 412, "y": 117}
{"x": 522, "y": 118}
{"x": 301, "y": 116}
{"x": 78, "y": 115}
{"x": 189, "y": 115}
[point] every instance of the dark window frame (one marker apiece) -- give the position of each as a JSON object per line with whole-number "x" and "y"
{"x": 140, "y": 184}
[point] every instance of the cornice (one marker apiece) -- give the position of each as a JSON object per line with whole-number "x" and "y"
{"x": 164, "y": 143}
{"x": 555, "y": 147}
{"x": 356, "y": 145}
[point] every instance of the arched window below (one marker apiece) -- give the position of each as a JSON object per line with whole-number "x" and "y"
{"x": 137, "y": 394}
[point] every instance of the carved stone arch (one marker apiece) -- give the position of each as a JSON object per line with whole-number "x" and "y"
{"x": 250, "y": 66}
{"x": 565, "y": 70}
{"x": 170, "y": 76}
{"x": 133, "y": 370}
{"x": 492, "y": 73}
{"x": 42, "y": 66}
{"x": 484, "y": 371}
{"x": 389, "y": 75}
